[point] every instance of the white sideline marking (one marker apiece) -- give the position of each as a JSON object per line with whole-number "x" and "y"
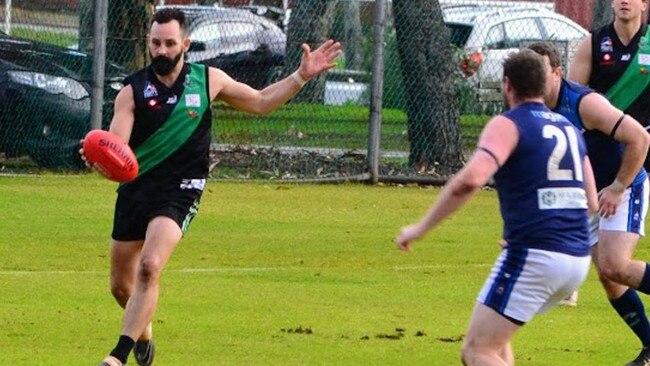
{"x": 240, "y": 270}
{"x": 182, "y": 270}
{"x": 442, "y": 266}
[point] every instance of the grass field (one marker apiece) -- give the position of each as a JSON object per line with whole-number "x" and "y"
{"x": 274, "y": 275}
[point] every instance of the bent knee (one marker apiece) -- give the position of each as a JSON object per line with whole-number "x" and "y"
{"x": 611, "y": 271}
{"x": 149, "y": 270}
{"x": 121, "y": 291}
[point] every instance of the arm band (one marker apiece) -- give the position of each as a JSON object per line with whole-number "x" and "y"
{"x": 481, "y": 148}
{"x": 297, "y": 78}
{"x": 618, "y": 123}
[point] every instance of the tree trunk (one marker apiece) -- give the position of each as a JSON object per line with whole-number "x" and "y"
{"x": 128, "y": 25}
{"x": 429, "y": 82}
{"x": 353, "y": 39}
{"x": 603, "y": 13}
{"x": 311, "y": 21}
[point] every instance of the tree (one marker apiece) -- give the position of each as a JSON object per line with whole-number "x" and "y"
{"x": 128, "y": 24}
{"x": 602, "y": 13}
{"x": 429, "y": 82}
{"x": 311, "y": 22}
{"x": 353, "y": 39}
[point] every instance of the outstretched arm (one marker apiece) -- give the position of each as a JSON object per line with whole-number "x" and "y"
{"x": 245, "y": 98}
{"x": 498, "y": 141}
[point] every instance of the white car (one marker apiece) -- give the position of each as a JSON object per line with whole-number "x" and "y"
{"x": 485, "y": 35}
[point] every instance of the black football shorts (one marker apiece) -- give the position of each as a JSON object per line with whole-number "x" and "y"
{"x": 133, "y": 214}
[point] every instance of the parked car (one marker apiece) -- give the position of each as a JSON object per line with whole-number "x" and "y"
{"x": 485, "y": 35}
{"x": 45, "y": 100}
{"x": 246, "y": 46}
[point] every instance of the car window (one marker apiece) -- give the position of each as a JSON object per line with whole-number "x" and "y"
{"x": 458, "y": 33}
{"x": 207, "y": 32}
{"x": 495, "y": 38}
{"x": 241, "y": 30}
{"x": 520, "y": 31}
{"x": 560, "y": 31}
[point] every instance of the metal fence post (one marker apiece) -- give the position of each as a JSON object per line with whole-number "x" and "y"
{"x": 8, "y": 16}
{"x": 99, "y": 63}
{"x": 377, "y": 90}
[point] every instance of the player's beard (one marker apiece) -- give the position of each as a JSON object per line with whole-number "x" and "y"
{"x": 164, "y": 66}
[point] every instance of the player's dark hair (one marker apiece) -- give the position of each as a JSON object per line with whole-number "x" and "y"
{"x": 549, "y": 50}
{"x": 167, "y": 15}
{"x": 526, "y": 71}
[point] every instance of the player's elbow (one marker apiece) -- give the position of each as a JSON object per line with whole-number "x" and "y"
{"x": 466, "y": 184}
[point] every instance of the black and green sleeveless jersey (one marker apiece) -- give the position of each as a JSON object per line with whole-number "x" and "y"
{"x": 171, "y": 132}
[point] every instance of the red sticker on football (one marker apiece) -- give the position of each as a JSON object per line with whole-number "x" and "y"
{"x": 108, "y": 153}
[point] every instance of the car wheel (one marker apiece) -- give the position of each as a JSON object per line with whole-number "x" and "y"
{"x": 60, "y": 156}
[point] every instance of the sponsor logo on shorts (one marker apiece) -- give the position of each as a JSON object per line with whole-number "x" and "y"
{"x": 193, "y": 184}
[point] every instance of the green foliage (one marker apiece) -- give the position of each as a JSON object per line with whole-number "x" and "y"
{"x": 56, "y": 38}
{"x": 275, "y": 275}
{"x": 343, "y": 126}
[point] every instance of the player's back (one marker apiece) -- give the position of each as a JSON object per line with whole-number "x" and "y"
{"x": 541, "y": 186}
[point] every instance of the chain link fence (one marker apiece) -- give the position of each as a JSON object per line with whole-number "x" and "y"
{"x": 441, "y": 64}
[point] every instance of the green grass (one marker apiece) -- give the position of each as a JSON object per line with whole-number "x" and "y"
{"x": 264, "y": 260}
{"x": 56, "y": 38}
{"x": 310, "y": 125}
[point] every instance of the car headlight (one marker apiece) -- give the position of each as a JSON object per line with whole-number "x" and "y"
{"x": 51, "y": 84}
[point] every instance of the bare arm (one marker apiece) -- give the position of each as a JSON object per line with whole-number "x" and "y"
{"x": 580, "y": 68}
{"x": 123, "y": 114}
{"x": 500, "y": 137}
{"x": 590, "y": 187}
{"x": 597, "y": 113}
{"x": 245, "y": 98}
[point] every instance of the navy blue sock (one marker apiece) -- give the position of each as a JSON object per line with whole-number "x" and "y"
{"x": 631, "y": 309}
{"x": 124, "y": 346}
{"x": 644, "y": 286}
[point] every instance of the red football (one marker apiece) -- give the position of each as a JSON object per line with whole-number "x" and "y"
{"x": 109, "y": 154}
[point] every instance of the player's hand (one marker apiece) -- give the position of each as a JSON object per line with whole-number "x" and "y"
{"x": 407, "y": 235}
{"x": 321, "y": 59}
{"x": 608, "y": 201}
{"x": 87, "y": 163}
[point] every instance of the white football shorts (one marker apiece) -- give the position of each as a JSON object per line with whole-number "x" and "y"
{"x": 525, "y": 282}
{"x": 629, "y": 217}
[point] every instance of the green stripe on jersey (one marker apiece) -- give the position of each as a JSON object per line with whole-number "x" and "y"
{"x": 181, "y": 123}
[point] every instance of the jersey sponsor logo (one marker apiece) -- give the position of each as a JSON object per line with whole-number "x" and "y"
{"x": 551, "y": 116}
{"x": 559, "y": 198}
{"x": 606, "y": 44}
{"x": 193, "y": 184}
{"x": 607, "y": 59}
{"x": 626, "y": 57}
{"x": 193, "y": 100}
{"x": 172, "y": 100}
{"x": 150, "y": 90}
{"x": 644, "y": 59}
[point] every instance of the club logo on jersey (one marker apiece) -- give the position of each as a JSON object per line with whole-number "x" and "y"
{"x": 193, "y": 100}
{"x": 192, "y": 113}
{"x": 150, "y": 90}
{"x": 606, "y": 44}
